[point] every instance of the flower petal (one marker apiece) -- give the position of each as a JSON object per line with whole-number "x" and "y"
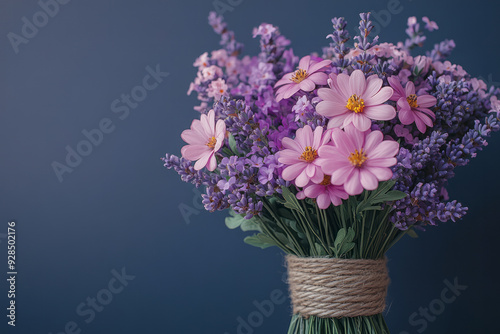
{"x": 426, "y": 101}
{"x": 340, "y": 176}
{"x": 319, "y": 78}
{"x": 406, "y": 116}
{"x": 291, "y": 172}
{"x": 361, "y": 122}
{"x": 384, "y": 94}
{"x": 383, "y": 112}
{"x": 330, "y": 109}
{"x": 382, "y": 174}
{"x": 353, "y": 185}
{"x": 302, "y": 179}
{"x": 318, "y": 66}
{"x": 357, "y": 83}
{"x": 367, "y": 179}
{"x": 195, "y": 152}
{"x": 373, "y": 85}
{"x": 307, "y": 85}
{"x": 202, "y": 162}
{"x": 386, "y": 149}
{"x": 304, "y": 63}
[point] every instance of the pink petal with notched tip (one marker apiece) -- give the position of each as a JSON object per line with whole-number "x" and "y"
{"x": 406, "y": 116}
{"x": 290, "y": 90}
{"x": 292, "y": 171}
{"x": 361, "y": 122}
{"x": 383, "y": 112}
{"x": 386, "y": 149}
{"x": 380, "y": 97}
{"x": 203, "y": 160}
{"x": 289, "y": 157}
{"x": 307, "y": 85}
{"x": 330, "y": 109}
{"x": 343, "y": 85}
{"x": 340, "y": 175}
{"x": 372, "y": 140}
{"x": 353, "y": 185}
{"x": 318, "y": 66}
{"x": 399, "y": 91}
{"x": 304, "y": 63}
{"x": 367, "y": 179}
{"x": 382, "y": 173}
{"x": 337, "y": 121}
{"x": 194, "y": 152}
{"x": 426, "y": 101}
{"x": 410, "y": 88}
{"x": 302, "y": 179}
{"x": 331, "y": 95}
{"x": 380, "y": 162}
{"x": 357, "y": 82}
{"x": 292, "y": 145}
{"x": 318, "y": 78}
{"x": 286, "y": 79}
{"x": 373, "y": 85}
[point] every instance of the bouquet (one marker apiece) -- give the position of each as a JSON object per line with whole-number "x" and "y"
{"x": 334, "y": 157}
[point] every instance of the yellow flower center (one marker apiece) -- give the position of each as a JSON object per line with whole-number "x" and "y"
{"x": 355, "y": 103}
{"x": 357, "y": 158}
{"x": 212, "y": 142}
{"x": 412, "y": 101}
{"x": 309, "y": 154}
{"x": 299, "y": 75}
{"x": 327, "y": 180}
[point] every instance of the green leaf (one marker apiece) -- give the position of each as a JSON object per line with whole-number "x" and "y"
{"x": 390, "y": 196}
{"x": 411, "y": 232}
{"x": 340, "y": 237}
{"x": 232, "y": 144}
{"x": 346, "y": 248}
{"x": 350, "y": 235}
{"x": 250, "y": 225}
{"x": 259, "y": 240}
{"x": 320, "y": 250}
{"x": 235, "y": 220}
{"x": 291, "y": 201}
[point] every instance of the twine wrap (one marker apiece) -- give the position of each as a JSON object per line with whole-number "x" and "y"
{"x": 334, "y": 288}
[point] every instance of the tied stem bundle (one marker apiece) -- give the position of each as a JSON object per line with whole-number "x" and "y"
{"x": 335, "y": 288}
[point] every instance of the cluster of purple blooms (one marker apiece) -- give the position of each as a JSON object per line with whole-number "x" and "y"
{"x": 241, "y": 93}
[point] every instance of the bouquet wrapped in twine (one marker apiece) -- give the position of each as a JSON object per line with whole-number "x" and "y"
{"x": 334, "y": 157}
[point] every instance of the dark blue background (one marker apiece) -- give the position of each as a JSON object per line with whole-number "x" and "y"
{"x": 120, "y": 207}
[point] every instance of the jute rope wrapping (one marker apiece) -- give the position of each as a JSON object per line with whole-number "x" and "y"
{"x": 334, "y": 288}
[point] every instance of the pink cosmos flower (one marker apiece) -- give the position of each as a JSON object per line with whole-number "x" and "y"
{"x": 325, "y": 193}
{"x": 204, "y": 139}
{"x": 412, "y": 108}
{"x": 301, "y": 153}
{"x": 354, "y": 99}
{"x": 305, "y": 78}
{"x": 358, "y": 160}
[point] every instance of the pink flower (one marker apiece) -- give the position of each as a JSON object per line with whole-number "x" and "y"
{"x": 495, "y": 105}
{"x": 412, "y": 108}
{"x": 358, "y": 160}
{"x": 305, "y": 78}
{"x": 430, "y": 25}
{"x": 354, "y": 99}
{"x": 217, "y": 88}
{"x": 210, "y": 73}
{"x": 325, "y": 193}
{"x": 204, "y": 139}
{"x": 202, "y": 61}
{"x": 301, "y": 153}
